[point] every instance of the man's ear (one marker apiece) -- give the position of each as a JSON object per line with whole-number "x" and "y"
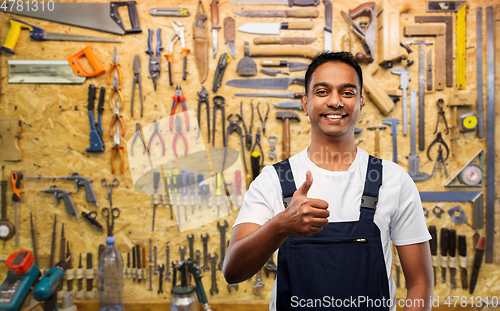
{"x": 361, "y": 103}
{"x": 303, "y": 103}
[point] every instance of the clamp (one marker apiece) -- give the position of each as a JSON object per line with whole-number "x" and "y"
{"x": 203, "y": 98}
{"x": 439, "y": 139}
{"x": 265, "y": 118}
{"x": 114, "y": 67}
{"x": 154, "y": 59}
{"x": 248, "y": 133}
{"x": 117, "y": 118}
{"x": 178, "y": 97}
{"x": 440, "y": 104}
{"x": 219, "y": 105}
{"x": 156, "y": 132}
{"x": 234, "y": 126}
{"x": 179, "y": 35}
{"x": 178, "y": 129}
{"x": 117, "y": 149}
{"x": 114, "y": 90}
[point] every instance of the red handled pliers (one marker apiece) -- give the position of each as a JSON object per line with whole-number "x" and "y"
{"x": 178, "y": 97}
{"x": 117, "y": 118}
{"x": 178, "y": 129}
{"x": 156, "y": 132}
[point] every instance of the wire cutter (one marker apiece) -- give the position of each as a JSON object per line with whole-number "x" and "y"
{"x": 203, "y": 98}
{"x": 136, "y": 80}
{"x": 178, "y": 35}
{"x": 234, "y": 127}
{"x": 117, "y": 149}
{"x": 178, "y": 129}
{"x": 440, "y": 104}
{"x": 178, "y": 97}
{"x": 117, "y": 118}
{"x": 154, "y": 59}
{"x": 114, "y": 90}
{"x": 156, "y": 132}
{"x": 114, "y": 67}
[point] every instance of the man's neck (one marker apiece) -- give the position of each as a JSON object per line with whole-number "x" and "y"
{"x": 332, "y": 154}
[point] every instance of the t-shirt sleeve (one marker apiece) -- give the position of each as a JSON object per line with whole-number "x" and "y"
{"x": 262, "y": 199}
{"x": 408, "y": 224}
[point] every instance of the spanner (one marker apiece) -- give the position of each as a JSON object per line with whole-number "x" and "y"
{"x": 259, "y": 283}
{"x": 229, "y": 286}
{"x": 270, "y": 266}
{"x": 182, "y": 251}
{"x": 161, "y": 269}
{"x": 150, "y": 249}
{"x": 191, "y": 246}
{"x": 213, "y": 264}
{"x": 204, "y": 239}
{"x": 167, "y": 274}
{"x": 222, "y": 230}
{"x": 197, "y": 255}
{"x": 156, "y": 270}
{"x": 150, "y": 278}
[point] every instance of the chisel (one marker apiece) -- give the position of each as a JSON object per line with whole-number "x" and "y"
{"x": 445, "y": 239}
{"x": 478, "y": 259}
{"x": 453, "y": 262}
{"x": 462, "y": 257}
{"x": 434, "y": 246}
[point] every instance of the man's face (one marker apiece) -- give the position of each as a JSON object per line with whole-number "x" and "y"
{"x": 333, "y": 103}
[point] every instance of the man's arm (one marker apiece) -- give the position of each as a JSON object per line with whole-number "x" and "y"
{"x": 417, "y": 268}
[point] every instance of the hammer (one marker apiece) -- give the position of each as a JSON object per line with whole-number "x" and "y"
{"x": 286, "y": 116}
{"x": 377, "y": 138}
{"x": 393, "y": 122}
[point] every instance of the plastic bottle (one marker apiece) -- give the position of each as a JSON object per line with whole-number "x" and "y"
{"x": 110, "y": 280}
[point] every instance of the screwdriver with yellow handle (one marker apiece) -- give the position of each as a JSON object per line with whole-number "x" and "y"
{"x": 16, "y": 178}
{"x": 39, "y": 34}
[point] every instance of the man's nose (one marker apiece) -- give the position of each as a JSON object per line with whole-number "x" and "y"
{"x": 334, "y": 100}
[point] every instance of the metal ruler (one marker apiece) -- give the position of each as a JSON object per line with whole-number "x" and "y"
{"x": 490, "y": 138}
{"x": 461, "y": 41}
{"x": 479, "y": 71}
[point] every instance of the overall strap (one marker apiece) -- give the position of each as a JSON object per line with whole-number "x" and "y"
{"x": 373, "y": 182}
{"x": 287, "y": 182}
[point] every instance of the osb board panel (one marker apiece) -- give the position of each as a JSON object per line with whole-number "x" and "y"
{"x": 56, "y": 133}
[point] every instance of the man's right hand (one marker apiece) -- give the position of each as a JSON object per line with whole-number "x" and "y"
{"x": 305, "y": 216}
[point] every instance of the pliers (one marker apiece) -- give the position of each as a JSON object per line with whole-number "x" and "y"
{"x": 178, "y": 35}
{"x": 154, "y": 59}
{"x": 178, "y": 97}
{"x": 257, "y": 143}
{"x": 234, "y": 126}
{"x": 203, "y": 98}
{"x": 114, "y": 67}
{"x": 117, "y": 118}
{"x": 137, "y": 136}
{"x": 265, "y": 118}
{"x": 136, "y": 80}
{"x": 117, "y": 149}
{"x": 156, "y": 132}
{"x": 178, "y": 129}
{"x": 219, "y": 104}
{"x": 248, "y": 133}
{"x": 114, "y": 90}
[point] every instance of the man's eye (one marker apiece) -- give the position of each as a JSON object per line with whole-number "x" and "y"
{"x": 320, "y": 92}
{"x": 348, "y": 93}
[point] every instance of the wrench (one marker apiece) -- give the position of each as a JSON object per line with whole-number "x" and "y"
{"x": 197, "y": 253}
{"x": 259, "y": 284}
{"x": 182, "y": 251}
{"x": 222, "y": 230}
{"x": 167, "y": 274}
{"x": 161, "y": 269}
{"x": 204, "y": 239}
{"x": 270, "y": 266}
{"x": 213, "y": 264}
{"x": 191, "y": 246}
{"x": 156, "y": 270}
{"x": 150, "y": 278}
{"x": 229, "y": 286}
{"x": 150, "y": 256}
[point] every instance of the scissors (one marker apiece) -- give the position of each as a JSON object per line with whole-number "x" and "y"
{"x": 91, "y": 219}
{"x": 115, "y": 183}
{"x": 110, "y": 213}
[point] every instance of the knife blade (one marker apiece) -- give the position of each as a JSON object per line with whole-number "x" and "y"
{"x": 293, "y": 66}
{"x": 478, "y": 259}
{"x": 215, "y": 26}
{"x": 433, "y": 243}
{"x": 229, "y": 35}
{"x": 283, "y": 40}
{"x": 445, "y": 240}
{"x": 289, "y": 105}
{"x": 328, "y": 25}
{"x": 453, "y": 262}
{"x": 462, "y": 257}
{"x": 274, "y": 28}
{"x": 278, "y": 2}
{"x": 280, "y": 95}
{"x": 299, "y": 13}
{"x": 266, "y": 84}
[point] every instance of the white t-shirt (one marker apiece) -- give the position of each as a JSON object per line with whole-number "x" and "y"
{"x": 399, "y": 214}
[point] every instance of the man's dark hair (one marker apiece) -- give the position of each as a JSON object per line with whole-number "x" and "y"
{"x": 334, "y": 57}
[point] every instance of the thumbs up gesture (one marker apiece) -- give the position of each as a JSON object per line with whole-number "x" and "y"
{"x": 305, "y": 216}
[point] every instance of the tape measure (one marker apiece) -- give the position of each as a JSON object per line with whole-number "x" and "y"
{"x": 468, "y": 122}
{"x": 461, "y": 41}
{"x": 471, "y": 175}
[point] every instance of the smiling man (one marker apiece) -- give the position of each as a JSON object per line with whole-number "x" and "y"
{"x": 332, "y": 210}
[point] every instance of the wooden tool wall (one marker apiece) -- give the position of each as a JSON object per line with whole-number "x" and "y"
{"x": 56, "y": 133}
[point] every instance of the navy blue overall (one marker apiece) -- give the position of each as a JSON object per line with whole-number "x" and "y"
{"x": 340, "y": 267}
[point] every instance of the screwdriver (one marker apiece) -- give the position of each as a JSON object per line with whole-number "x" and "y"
{"x": 16, "y": 178}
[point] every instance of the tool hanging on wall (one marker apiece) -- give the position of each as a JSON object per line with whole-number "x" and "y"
{"x": 219, "y": 102}
{"x": 433, "y": 243}
{"x": 67, "y": 71}
{"x": 283, "y": 41}
{"x": 404, "y": 84}
{"x": 248, "y": 131}
{"x": 66, "y": 196}
{"x": 117, "y": 120}
{"x": 178, "y": 130}
{"x": 117, "y": 149}
{"x": 224, "y": 59}
{"x": 366, "y": 37}
{"x": 136, "y": 80}
{"x": 16, "y": 177}
{"x": 393, "y": 122}
{"x": 297, "y": 13}
{"x": 463, "y": 260}
{"x": 377, "y": 129}
{"x": 327, "y": 30}
{"x": 234, "y": 127}
{"x": 457, "y": 215}
{"x": 471, "y": 174}
{"x": 200, "y": 43}
{"x": 286, "y": 116}
{"x": 156, "y": 132}
{"x": 91, "y": 219}
{"x": 178, "y": 35}
{"x": 439, "y": 163}
{"x": 203, "y": 99}
{"x": 274, "y": 95}
{"x": 154, "y": 56}
{"x": 10, "y": 129}
{"x": 114, "y": 68}
{"x": 96, "y": 142}
{"x": 458, "y": 100}
{"x": 171, "y": 12}
{"x": 39, "y": 34}
{"x": 53, "y": 243}
{"x": 229, "y": 35}
{"x": 461, "y": 46}
{"x": 214, "y": 6}
{"x": 273, "y": 72}
{"x": 476, "y": 265}
{"x": 429, "y": 70}
{"x": 479, "y": 71}
{"x": 440, "y": 104}
{"x": 7, "y": 229}
{"x": 33, "y": 240}
{"x": 274, "y": 28}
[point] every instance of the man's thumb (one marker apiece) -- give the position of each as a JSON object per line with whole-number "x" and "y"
{"x": 306, "y": 185}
